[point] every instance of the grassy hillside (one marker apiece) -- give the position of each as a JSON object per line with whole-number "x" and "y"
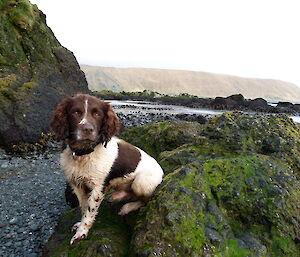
{"x": 201, "y": 84}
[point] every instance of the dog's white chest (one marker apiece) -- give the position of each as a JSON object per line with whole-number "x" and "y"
{"x": 91, "y": 168}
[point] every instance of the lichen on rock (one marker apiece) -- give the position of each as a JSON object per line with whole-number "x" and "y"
{"x": 247, "y": 191}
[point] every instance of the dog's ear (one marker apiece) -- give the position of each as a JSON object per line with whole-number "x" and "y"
{"x": 110, "y": 125}
{"x": 59, "y": 124}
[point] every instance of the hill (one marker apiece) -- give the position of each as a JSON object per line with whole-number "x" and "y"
{"x": 202, "y": 84}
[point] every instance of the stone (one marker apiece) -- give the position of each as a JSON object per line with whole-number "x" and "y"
{"x": 34, "y": 227}
{"x": 14, "y": 221}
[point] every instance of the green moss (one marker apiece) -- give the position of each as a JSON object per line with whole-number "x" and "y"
{"x": 21, "y": 14}
{"x": 231, "y": 248}
{"x": 109, "y": 236}
{"x": 3, "y": 4}
{"x": 191, "y": 233}
{"x": 162, "y": 136}
{"x": 177, "y": 219}
{"x": 7, "y": 94}
{"x": 10, "y": 46}
{"x": 3, "y": 60}
{"x": 8, "y": 80}
{"x": 239, "y": 133}
{"x": 282, "y": 246}
{"x": 27, "y": 86}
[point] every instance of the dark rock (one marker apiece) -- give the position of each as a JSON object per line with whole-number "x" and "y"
{"x": 34, "y": 227}
{"x": 258, "y": 104}
{"x": 213, "y": 236}
{"x": 188, "y": 117}
{"x": 253, "y": 244}
{"x": 238, "y": 98}
{"x": 36, "y": 72}
{"x": 271, "y": 144}
{"x": 222, "y": 103}
{"x": 296, "y": 107}
{"x": 285, "y": 105}
{"x": 234, "y": 102}
{"x": 226, "y": 177}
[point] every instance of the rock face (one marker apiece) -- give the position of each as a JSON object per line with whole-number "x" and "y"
{"x": 36, "y": 72}
{"x": 231, "y": 188}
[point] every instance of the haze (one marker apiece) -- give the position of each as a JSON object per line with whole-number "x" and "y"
{"x": 249, "y": 38}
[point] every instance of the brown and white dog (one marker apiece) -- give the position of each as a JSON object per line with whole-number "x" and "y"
{"x": 95, "y": 161}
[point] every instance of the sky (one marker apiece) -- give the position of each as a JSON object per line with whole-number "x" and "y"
{"x": 246, "y": 38}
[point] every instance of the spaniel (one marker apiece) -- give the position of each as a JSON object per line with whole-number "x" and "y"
{"x": 95, "y": 161}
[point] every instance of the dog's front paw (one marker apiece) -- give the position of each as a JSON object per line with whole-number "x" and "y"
{"x": 81, "y": 233}
{"x": 77, "y": 237}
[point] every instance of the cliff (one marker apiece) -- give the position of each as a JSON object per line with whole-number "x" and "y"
{"x": 36, "y": 72}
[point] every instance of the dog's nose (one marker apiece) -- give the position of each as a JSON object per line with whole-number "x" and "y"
{"x": 87, "y": 128}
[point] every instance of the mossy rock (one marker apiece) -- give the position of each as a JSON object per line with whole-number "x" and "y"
{"x": 240, "y": 133}
{"x": 163, "y": 136}
{"x": 109, "y": 237}
{"x": 36, "y": 73}
{"x": 231, "y": 188}
{"x": 235, "y": 133}
{"x": 239, "y": 206}
{"x": 243, "y": 168}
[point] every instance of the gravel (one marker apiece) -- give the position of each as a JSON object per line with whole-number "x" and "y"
{"x": 31, "y": 201}
{"x": 32, "y": 193}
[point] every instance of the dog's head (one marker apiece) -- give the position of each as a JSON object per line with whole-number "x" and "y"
{"x": 84, "y": 120}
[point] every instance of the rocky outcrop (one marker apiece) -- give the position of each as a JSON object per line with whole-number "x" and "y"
{"x": 36, "y": 72}
{"x": 231, "y": 188}
{"x": 233, "y": 102}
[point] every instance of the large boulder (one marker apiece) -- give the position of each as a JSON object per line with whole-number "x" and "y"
{"x": 233, "y": 102}
{"x": 36, "y": 72}
{"x": 232, "y": 189}
{"x": 234, "y": 192}
{"x": 258, "y": 104}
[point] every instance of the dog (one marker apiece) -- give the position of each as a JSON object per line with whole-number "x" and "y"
{"x": 95, "y": 161}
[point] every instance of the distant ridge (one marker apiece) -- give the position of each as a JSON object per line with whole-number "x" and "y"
{"x": 174, "y": 82}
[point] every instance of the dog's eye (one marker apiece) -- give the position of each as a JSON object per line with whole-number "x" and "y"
{"x": 96, "y": 113}
{"x": 77, "y": 112}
